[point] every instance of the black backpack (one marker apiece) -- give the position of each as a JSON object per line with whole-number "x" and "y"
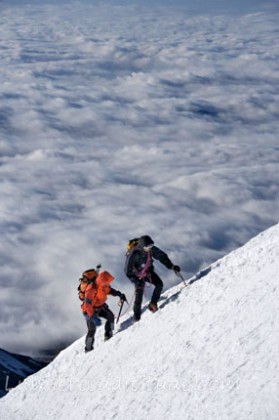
{"x": 132, "y": 243}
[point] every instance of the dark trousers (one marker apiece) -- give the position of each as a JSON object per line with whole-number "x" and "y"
{"x": 102, "y": 312}
{"x": 155, "y": 280}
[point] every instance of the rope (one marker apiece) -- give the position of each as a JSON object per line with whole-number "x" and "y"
{"x": 133, "y": 298}
{"x": 129, "y": 305}
{"x": 144, "y": 272}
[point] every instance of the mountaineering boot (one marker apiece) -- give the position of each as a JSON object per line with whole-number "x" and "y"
{"x": 153, "y": 307}
{"x": 108, "y": 335}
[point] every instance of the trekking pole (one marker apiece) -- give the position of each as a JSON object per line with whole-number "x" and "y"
{"x": 181, "y": 277}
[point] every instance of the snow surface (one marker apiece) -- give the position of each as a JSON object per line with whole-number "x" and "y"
{"x": 210, "y": 352}
{"x": 14, "y": 368}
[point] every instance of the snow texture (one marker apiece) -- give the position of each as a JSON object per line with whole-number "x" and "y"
{"x": 210, "y": 352}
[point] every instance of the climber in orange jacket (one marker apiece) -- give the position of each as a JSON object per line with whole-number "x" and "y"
{"x": 93, "y": 290}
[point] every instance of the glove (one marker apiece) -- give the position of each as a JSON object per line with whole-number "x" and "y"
{"x": 123, "y": 297}
{"x": 176, "y": 268}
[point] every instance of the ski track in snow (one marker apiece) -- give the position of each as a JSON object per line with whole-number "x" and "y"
{"x": 211, "y": 353}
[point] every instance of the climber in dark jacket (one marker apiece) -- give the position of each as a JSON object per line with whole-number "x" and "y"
{"x": 139, "y": 269}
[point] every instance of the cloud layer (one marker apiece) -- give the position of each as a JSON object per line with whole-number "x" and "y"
{"x": 117, "y": 121}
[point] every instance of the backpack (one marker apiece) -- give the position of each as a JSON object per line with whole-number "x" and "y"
{"x": 88, "y": 276}
{"x": 132, "y": 243}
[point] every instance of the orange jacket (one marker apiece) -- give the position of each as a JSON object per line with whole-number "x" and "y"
{"x": 96, "y": 293}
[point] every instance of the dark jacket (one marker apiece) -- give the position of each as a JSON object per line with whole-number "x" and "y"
{"x": 136, "y": 261}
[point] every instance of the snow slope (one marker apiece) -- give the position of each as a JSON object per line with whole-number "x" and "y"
{"x": 14, "y": 368}
{"x": 211, "y": 352}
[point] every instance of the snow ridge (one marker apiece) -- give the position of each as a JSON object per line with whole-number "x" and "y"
{"x": 210, "y": 352}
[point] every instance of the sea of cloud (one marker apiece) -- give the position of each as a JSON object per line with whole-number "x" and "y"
{"x": 118, "y": 120}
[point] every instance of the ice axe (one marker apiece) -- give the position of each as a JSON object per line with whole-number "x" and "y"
{"x": 121, "y": 303}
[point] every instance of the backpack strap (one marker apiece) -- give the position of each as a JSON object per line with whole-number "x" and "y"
{"x": 144, "y": 272}
{"x": 83, "y": 284}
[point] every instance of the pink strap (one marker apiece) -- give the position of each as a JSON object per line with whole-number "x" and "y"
{"x": 143, "y": 273}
